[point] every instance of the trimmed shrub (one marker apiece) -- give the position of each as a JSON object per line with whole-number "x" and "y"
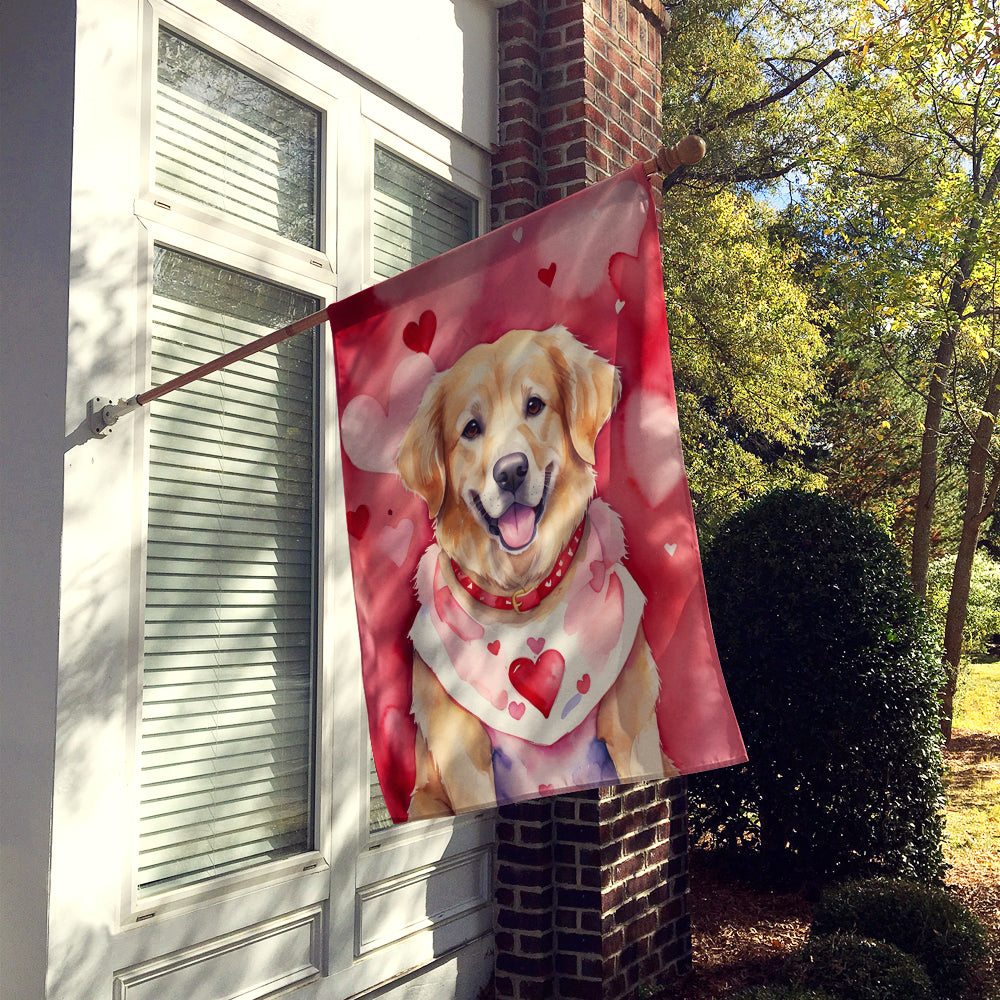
{"x": 833, "y": 673}
{"x": 925, "y": 922}
{"x": 782, "y": 993}
{"x": 856, "y": 968}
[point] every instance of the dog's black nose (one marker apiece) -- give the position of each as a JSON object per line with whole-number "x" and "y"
{"x": 510, "y": 471}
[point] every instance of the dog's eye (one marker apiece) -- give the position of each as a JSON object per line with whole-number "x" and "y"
{"x": 471, "y": 430}
{"x": 534, "y": 406}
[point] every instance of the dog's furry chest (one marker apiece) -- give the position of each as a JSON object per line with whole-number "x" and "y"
{"x": 538, "y": 677}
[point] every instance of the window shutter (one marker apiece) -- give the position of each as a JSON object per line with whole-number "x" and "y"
{"x": 228, "y": 656}
{"x": 416, "y": 216}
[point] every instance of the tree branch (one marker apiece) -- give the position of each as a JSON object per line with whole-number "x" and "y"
{"x": 754, "y": 106}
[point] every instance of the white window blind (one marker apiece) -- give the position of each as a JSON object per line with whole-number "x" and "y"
{"x": 416, "y": 216}
{"x": 228, "y": 659}
{"x": 228, "y": 140}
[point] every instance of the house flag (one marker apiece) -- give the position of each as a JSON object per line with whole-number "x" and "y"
{"x": 528, "y": 586}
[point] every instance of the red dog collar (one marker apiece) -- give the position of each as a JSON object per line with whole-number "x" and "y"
{"x": 523, "y": 600}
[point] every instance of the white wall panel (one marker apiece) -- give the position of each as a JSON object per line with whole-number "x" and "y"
{"x": 254, "y": 964}
{"x": 439, "y": 56}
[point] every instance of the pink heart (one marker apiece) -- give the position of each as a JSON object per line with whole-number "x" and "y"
{"x": 546, "y": 789}
{"x": 651, "y": 429}
{"x": 394, "y": 541}
{"x": 546, "y": 275}
{"x": 420, "y": 335}
{"x": 371, "y": 432}
{"x": 494, "y": 647}
{"x": 536, "y": 645}
{"x": 538, "y": 680}
{"x": 583, "y": 684}
{"x": 516, "y": 709}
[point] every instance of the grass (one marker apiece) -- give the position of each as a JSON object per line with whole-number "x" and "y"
{"x": 972, "y": 847}
{"x": 973, "y": 782}
{"x": 977, "y": 706}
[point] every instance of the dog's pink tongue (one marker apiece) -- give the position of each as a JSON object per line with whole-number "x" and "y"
{"x": 517, "y": 524}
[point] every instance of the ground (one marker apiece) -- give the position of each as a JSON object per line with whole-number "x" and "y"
{"x": 742, "y": 935}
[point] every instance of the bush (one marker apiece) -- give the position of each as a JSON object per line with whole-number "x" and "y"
{"x": 782, "y": 993}
{"x": 856, "y": 968}
{"x": 833, "y": 673}
{"x": 925, "y": 922}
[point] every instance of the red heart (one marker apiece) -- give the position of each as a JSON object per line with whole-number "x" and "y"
{"x": 583, "y": 684}
{"x": 357, "y": 521}
{"x": 538, "y": 680}
{"x": 494, "y": 646}
{"x": 420, "y": 335}
{"x": 547, "y": 275}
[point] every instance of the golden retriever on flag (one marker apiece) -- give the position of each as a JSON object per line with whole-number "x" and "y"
{"x": 531, "y": 672}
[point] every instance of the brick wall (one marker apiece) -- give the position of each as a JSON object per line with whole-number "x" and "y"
{"x": 591, "y": 893}
{"x": 591, "y": 889}
{"x": 579, "y": 96}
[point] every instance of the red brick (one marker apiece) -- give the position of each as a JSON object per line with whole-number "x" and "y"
{"x": 562, "y": 54}
{"x": 535, "y": 899}
{"x": 521, "y": 920}
{"x": 552, "y": 117}
{"x": 567, "y": 174}
{"x": 569, "y": 132}
{"x": 521, "y": 93}
{"x": 581, "y": 989}
{"x": 537, "y": 966}
{"x": 571, "y": 14}
{"x": 518, "y": 49}
{"x": 522, "y": 876}
{"x": 526, "y": 111}
{"x": 521, "y": 130}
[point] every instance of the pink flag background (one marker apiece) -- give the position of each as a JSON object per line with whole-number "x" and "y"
{"x": 591, "y": 263}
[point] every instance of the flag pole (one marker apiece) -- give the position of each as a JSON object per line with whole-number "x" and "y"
{"x": 103, "y": 414}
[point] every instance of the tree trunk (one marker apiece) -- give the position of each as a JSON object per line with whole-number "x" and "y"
{"x": 980, "y": 499}
{"x": 958, "y": 299}
{"x": 920, "y": 553}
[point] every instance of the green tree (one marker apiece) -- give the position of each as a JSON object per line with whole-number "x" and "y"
{"x": 747, "y": 357}
{"x": 911, "y": 183}
{"x": 747, "y": 352}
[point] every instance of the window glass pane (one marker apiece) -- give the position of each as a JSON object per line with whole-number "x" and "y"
{"x": 416, "y": 216}
{"x": 228, "y": 140}
{"x": 228, "y": 656}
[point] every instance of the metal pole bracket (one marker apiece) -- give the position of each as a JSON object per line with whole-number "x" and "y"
{"x": 103, "y": 413}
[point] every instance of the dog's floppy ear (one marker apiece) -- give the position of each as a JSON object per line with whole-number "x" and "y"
{"x": 591, "y": 389}
{"x": 420, "y": 460}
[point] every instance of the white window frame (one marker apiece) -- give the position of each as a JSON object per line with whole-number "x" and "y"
{"x": 350, "y": 874}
